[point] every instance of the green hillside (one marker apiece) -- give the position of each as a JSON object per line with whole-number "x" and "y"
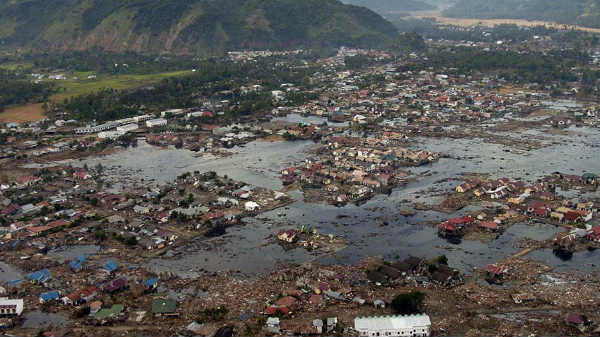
{"x": 188, "y": 26}
{"x": 384, "y": 7}
{"x": 577, "y": 12}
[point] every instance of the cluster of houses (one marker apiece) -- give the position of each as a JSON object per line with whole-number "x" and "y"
{"x": 538, "y": 201}
{"x": 350, "y": 169}
{"x": 331, "y": 289}
{"x": 109, "y": 279}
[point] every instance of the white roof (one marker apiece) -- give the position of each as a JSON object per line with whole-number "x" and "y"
{"x": 18, "y": 303}
{"x": 391, "y": 322}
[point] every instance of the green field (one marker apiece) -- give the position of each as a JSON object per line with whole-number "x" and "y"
{"x": 82, "y": 86}
{"x": 15, "y": 66}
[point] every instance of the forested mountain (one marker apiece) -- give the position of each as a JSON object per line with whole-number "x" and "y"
{"x": 579, "y": 12}
{"x": 384, "y": 7}
{"x": 188, "y": 26}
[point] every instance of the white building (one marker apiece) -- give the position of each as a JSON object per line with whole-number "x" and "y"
{"x": 142, "y": 118}
{"x": 411, "y": 325}
{"x": 156, "y": 122}
{"x": 126, "y": 128}
{"x": 109, "y": 134}
{"x": 11, "y": 307}
{"x": 278, "y": 95}
{"x": 173, "y": 112}
{"x": 251, "y": 206}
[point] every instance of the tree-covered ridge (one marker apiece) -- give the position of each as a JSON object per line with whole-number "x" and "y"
{"x": 391, "y": 6}
{"x": 579, "y": 12}
{"x": 189, "y": 26}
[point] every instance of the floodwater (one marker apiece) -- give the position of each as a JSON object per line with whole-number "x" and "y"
{"x": 69, "y": 253}
{"x": 247, "y": 248}
{"x": 258, "y": 163}
{"x": 581, "y": 262}
{"x": 296, "y": 118}
{"x": 8, "y": 273}
{"x": 38, "y": 319}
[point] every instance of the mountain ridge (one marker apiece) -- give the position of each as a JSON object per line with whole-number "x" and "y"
{"x": 188, "y": 26}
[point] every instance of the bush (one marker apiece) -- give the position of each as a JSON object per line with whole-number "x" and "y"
{"x": 213, "y": 314}
{"x": 409, "y": 303}
{"x": 131, "y": 241}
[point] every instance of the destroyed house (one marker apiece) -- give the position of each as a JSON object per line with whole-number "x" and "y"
{"x": 115, "y": 286}
{"x": 391, "y": 272}
{"x": 80, "y": 296}
{"x": 376, "y": 277}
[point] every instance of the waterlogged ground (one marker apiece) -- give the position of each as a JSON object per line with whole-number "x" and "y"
{"x": 9, "y": 273}
{"x": 248, "y": 249}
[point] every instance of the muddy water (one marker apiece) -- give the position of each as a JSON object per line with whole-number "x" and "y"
{"x": 296, "y": 118}
{"x": 71, "y": 252}
{"x": 38, "y": 319}
{"x": 258, "y": 163}
{"x": 8, "y": 273}
{"x": 583, "y": 262}
{"x": 246, "y": 248}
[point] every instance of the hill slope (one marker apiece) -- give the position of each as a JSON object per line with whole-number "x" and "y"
{"x": 188, "y": 26}
{"x": 578, "y": 12}
{"x": 384, "y": 7}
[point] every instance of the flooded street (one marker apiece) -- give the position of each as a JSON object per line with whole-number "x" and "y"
{"x": 247, "y": 249}
{"x": 38, "y": 320}
{"x": 70, "y": 253}
{"x": 8, "y": 273}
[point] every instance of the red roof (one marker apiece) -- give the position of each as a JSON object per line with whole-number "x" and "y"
{"x": 465, "y": 220}
{"x": 57, "y": 223}
{"x": 272, "y": 310}
{"x": 11, "y": 209}
{"x": 572, "y": 216}
{"x": 541, "y": 212}
{"x": 209, "y": 126}
{"x": 286, "y": 301}
{"x": 26, "y": 179}
{"x": 488, "y": 225}
{"x": 538, "y": 204}
{"x": 315, "y": 299}
{"x": 495, "y": 269}
{"x": 446, "y": 226}
{"x": 575, "y": 318}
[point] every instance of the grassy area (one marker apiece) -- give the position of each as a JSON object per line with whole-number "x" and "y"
{"x": 24, "y": 113}
{"x": 495, "y": 22}
{"x": 15, "y": 66}
{"x": 70, "y": 88}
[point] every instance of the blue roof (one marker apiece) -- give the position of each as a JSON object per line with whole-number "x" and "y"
{"x": 150, "y": 283}
{"x": 111, "y": 266}
{"x": 14, "y": 282}
{"x": 40, "y": 275}
{"x": 51, "y": 295}
{"x": 75, "y": 265}
{"x": 78, "y": 263}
